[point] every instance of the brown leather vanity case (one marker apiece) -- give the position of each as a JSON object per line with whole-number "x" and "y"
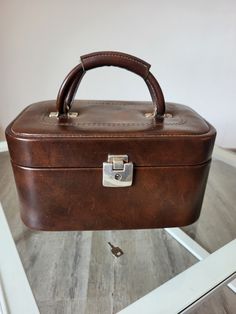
{"x": 90, "y": 165}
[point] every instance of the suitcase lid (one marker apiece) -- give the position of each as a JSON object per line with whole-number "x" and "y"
{"x": 52, "y": 134}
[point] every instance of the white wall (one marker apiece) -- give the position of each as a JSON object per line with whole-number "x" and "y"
{"x": 190, "y": 44}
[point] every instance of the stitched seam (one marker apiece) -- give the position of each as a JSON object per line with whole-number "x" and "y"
{"x": 44, "y": 119}
{"x": 113, "y": 124}
{"x": 119, "y": 56}
{"x": 109, "y": 136}
{"x": 100, "y": 124}
{"x": 130, "y": 135}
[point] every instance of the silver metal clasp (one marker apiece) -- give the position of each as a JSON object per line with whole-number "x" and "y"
{"x": 117, "y": 171}
{"x": 69, "y": 114}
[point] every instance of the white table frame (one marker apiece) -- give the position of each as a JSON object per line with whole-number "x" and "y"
{"x": 15, "y": 293}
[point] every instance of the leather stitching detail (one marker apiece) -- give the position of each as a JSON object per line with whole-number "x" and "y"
{"x": 118, "y": 56}
{"x": 181, "y": 121}
{"x": 141, "y": 136}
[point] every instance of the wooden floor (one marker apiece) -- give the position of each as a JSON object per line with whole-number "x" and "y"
{"x": 75, "y": 272}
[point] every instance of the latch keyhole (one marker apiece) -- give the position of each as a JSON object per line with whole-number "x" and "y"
{"x": 118, "y": 176}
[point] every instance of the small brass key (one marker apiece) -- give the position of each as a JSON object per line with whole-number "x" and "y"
{"x": 115, "y": 250}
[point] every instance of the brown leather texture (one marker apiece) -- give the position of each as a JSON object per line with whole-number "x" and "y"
{"x": 74, "y": 198}
{"x": 106, "y": 127}
{"x": 57, "y": 161}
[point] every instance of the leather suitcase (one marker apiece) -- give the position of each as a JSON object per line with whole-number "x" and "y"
{"x": 90, "y": 165}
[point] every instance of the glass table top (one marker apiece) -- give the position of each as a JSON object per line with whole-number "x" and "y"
{"x": 75, "y": 272}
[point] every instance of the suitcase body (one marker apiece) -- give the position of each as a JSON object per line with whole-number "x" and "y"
{"x": 100, "y": 165}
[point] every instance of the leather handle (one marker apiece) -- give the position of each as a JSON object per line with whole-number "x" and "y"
{"x": 117, "y": 59}
{"x": 94, "y": 60}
